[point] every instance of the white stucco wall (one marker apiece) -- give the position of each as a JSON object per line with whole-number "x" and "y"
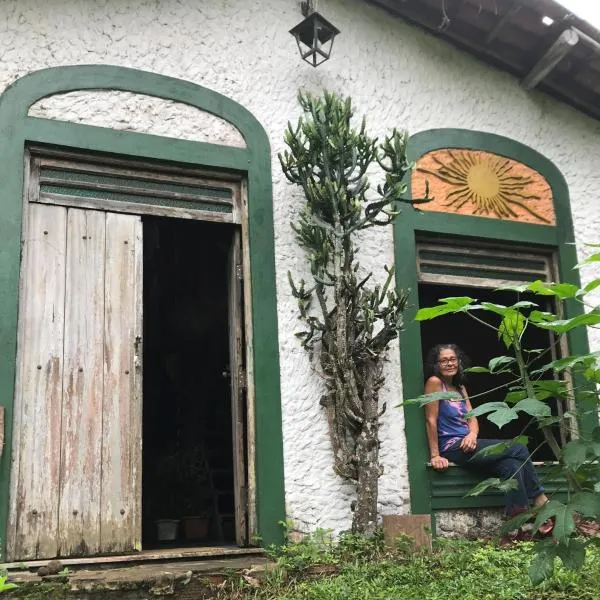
{"x": 396, "y": 74}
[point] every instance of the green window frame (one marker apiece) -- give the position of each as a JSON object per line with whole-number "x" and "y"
{"x": 17, "y": 130}
{"x": 430, "y": 490}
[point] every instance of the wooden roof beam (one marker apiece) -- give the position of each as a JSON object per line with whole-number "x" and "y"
{"x": 565, "y": 42}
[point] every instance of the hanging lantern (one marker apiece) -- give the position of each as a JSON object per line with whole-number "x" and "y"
{"x": 315, "y": 37}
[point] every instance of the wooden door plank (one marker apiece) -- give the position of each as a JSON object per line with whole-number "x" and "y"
{"x": 120, "y": 529}
{"x": 236, "y": 340}
{"x": 81, "y": 439}
{"x": 33, "y": 517}
{"x": 249, "y": 360}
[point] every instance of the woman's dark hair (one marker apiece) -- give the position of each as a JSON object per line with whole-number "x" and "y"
{"x": 432, "y": 367}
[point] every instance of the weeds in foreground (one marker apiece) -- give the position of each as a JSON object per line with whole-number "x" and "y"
{"x": 321, "y": 567}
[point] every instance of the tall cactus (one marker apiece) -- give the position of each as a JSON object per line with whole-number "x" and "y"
{"x": 352, "y": 324}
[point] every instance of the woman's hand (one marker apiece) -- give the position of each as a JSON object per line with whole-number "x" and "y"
{"x": 469, "y": 442}
{"x": 439, "y": 463}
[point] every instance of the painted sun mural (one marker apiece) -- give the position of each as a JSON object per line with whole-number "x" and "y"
{"x": 480, "y": 183}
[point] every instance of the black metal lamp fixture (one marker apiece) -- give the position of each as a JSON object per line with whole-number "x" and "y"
{"x": 314, "y": 35}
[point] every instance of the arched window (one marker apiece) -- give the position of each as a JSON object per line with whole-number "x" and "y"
{"x": 501, "y": 215}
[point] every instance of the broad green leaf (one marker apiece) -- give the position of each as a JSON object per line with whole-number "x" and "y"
{"x": 591, "y": 286}
{"x": 523, "y": 304}
{"x": 589, "y": 260}
{"x": 487, "y": 407}
{"x": 549, "y": 421}
{"x": 493, "y": 482}
{"x": 533, "y": 407}
{"x": 511, "y": 328}
{"x": 568, "y": 362}
{"x": 572, "y": 555}
{"x": 434, "y": 397}
{"x": 593, "y": 373}
{"x": 477, "y": 370}
{"x": 561, "y": 290}
{"x": 546, "y": 388}
{"x": 574, "y": 454}
{"x": 541, "y": 568}
{"x": 563, "y": 515}
{"x": 501, "y": 417}
{"x": 565, "y": 325}
{"x": 514, "y": 396}
{"x": 448, "y": 306}
{"x": 499, "y": 413}
{"x": 500, "y": 361}
{"x": 587, "y": 504}
{"x": 500, "y": 447}
{"x": 539, "y": 316}
{"x": 499, "y": 309}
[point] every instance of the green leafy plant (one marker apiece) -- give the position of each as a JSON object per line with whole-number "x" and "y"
{"x": 576, "y": 378}
{"x": 349, "y": 324}
{"x": 5, "y": 586}
{"x": 455, "y": 570}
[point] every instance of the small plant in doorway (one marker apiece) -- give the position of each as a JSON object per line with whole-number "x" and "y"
{"x": 349, "y": 324}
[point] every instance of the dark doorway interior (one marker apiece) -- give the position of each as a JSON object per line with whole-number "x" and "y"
{"x": 481, "y": 343}
{"x": 187, "y": 420}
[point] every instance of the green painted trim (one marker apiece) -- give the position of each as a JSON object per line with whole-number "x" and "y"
{"x": 449, "y": 489}
{"x": 140, "y": 145}
{"x": 412, "y": 222}
{"x": 17, "y": 129}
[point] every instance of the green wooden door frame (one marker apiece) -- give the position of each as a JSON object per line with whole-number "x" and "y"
{"x": 254, "y": 161}
{"x": 424, "y": 484}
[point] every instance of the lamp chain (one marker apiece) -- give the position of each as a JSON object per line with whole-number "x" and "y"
{"x": 308, "y": 7}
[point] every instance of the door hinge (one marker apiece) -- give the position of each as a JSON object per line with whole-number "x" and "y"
{"x": 239, "y": 272}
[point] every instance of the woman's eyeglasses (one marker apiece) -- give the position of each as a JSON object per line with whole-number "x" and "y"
{"x": 448, "y": 361}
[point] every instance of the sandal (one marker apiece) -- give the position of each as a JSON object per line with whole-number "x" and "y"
{"x": 546, "y": 527}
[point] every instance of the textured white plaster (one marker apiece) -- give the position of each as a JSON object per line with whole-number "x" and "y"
{"x": 397, "y": 75}
{"x": 140, "y": 113}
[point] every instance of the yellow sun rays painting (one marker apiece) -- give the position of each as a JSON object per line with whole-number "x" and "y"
{"x": 484, "y": 184}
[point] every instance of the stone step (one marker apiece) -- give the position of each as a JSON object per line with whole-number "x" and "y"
{"x": 178, "y": 580}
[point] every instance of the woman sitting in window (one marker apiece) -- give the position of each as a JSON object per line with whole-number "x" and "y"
{"x": 453, "y": 438}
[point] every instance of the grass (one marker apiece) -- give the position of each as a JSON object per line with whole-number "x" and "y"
{"x": 455, "y": 570}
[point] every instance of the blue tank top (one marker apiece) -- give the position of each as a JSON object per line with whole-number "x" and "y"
{"x": 451, "y": 424}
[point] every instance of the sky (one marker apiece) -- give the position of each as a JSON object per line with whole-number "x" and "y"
{"x": 586, "y": 9}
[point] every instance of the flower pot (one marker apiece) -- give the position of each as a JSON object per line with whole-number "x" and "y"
{"x": 166, "y": 529}
{"x": 195, "y": 528}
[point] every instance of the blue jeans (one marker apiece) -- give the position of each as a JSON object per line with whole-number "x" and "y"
{"x": 513, "y": 462}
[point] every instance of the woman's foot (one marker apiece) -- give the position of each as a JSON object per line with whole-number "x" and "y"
{"x": 547, "y": 526}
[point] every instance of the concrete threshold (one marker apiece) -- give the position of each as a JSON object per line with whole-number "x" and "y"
{"x": 188, "y": 573}
{"x": 165, "y": 554}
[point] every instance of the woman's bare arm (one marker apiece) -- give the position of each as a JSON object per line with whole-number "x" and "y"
{"x": 438, "y": 462}
{"x": 469, "y": 442}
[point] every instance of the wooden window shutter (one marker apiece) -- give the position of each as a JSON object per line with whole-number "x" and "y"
{"x": 481, "y": 265}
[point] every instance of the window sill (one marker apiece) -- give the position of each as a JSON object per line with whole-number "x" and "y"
{"x": 448, "y": 489}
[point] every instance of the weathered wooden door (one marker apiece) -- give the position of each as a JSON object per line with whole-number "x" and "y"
{"x": 76, "y": 472}
{"x": 238, "y": 389}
